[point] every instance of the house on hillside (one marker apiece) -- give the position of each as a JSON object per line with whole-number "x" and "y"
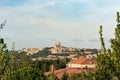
{"x": 82, "y": 62}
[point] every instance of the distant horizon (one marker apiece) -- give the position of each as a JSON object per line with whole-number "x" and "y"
{"x": 66, "y": 45}
{"x": 41, "y": 23}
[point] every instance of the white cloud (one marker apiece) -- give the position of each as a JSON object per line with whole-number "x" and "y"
{"x": 53, "y": 3}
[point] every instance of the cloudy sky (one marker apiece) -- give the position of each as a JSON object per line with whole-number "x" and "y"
{"x": 74, "y": 23}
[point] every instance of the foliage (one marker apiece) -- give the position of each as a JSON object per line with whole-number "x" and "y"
{"x": 74, "y": 76}
{"x": 82, "y": 76}
{"x": 45, "y": 65}
{"x": 14, "y": 68}
{"x": 5, "y": 58}
{"x": 51, "y": 76}
{"x": 108, "y": 66}
{"x": 29, "y": 73}
{"x": 65, "y": 76}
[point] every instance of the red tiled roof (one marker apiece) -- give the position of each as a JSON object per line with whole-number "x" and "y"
{"x": 83, "y": 60}
{"x": 59, "y": 73}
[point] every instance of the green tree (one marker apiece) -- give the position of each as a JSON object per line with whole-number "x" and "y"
{"x": 8, "y": 61}
{"x": 29, "y": 73}
{"x": 108, "y": 66}
{"x": 51, "y": 76}
{"x": 4, "y": 58}
{"x": 65, "y": 76}
{"x": 88, "y": 75}
{"x": 74, "y": 76}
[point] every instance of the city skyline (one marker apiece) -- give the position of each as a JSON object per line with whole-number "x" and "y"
{"x": 41, "y": 23}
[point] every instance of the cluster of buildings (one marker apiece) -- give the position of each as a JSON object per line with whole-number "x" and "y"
{"x": 61, "y": 52}
{"x": 55, "y": 57}
{"x": 31, "y": 51}
{"x": 59, "y": 49}
{"x": 80, "y": 65}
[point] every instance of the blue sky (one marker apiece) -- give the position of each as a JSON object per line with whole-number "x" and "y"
{"x": 74, "y": 23}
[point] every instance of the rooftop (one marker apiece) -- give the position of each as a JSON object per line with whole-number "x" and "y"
{"x": 83, "y": 60}
{"x": 59, "y": 73}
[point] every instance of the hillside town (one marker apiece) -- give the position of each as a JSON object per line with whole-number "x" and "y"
{"x": 60, "y": 51}
{"x": 79, "y": 59}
